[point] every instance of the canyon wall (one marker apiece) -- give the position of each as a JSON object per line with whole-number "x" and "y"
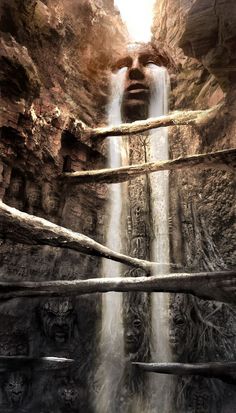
{"x": 54, "y": 63}
{"x": 202, "y": 38}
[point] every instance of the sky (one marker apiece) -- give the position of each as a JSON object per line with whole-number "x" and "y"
{"x": 138, "y": 16}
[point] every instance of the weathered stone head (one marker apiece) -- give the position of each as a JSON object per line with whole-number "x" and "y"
{"x": 135, "y": 333}
{"x": 57, "y": 318}
{"x": 33, "y": 194}
{"x": 51, "y": 203}
{"x": 199, "y": 396}
{"x": 178, "y": 323}
{"x": 138, "y": 79}
{"x": 70, "y": 395}
{"x": 16, "y": 388}
{"x": 16, "y": 186}
{"x": 14, "y": 344}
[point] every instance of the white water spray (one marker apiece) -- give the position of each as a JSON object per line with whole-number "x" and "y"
{"x": 112, "y": 340}
{"x": 159, "y": 202}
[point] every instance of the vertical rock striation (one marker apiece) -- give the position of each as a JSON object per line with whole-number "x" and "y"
{"x": 201, "y": 36}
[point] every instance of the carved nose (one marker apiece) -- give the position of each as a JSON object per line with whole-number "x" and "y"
{"x": 136, "y": 72}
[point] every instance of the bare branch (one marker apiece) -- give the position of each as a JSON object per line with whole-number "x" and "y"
{"x": 225, "y": 371}
{"x": 191, "y": 117}
{"x": 219, "y": 286}
{"x": 29, "y": 229}
{"x": 224, "y": 159}
{"x": 44, "y": 363}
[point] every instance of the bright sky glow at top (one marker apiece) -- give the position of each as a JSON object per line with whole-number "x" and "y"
{"x": 138, "y": 16}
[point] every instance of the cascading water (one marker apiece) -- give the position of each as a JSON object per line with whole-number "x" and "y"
{"x": 113, "y": 360}
{"x": 112, "y": 340}
{"x": 159, "y": 203}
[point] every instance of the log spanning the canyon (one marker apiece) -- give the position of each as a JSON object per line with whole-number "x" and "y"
{"x": 224, "y": 159}
{"x": 225, "y": 371}
{"x": 8, "y": 363}
{"x": 188, "y": 117}
{"x": 29, "y": 229}
{"x": 219, "y": 286}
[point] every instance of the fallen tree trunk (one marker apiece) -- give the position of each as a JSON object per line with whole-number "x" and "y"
{"x": 221, "y": 160}
{"x": 225, "y": 371}
{"x": 41, "y": 364}
{"x": 191, "y": 117}
{"x": 219, "y": 286}
{"x": 29, "y": 229}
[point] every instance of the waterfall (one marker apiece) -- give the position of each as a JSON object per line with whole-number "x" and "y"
{"x": 159, "y": 204}
{"x": 112, "y": 337}
{"x": 112, "y": 340}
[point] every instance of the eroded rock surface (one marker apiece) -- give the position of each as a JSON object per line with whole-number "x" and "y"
{"x": 54, "y": 65}
{"x": 201, "y": 36}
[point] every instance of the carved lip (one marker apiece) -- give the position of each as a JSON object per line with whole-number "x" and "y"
{"x": 136, "y": 86}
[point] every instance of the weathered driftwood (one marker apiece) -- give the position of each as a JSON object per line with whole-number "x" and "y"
{"x": 219, "y": 286}
{"x": 44, "y": 363}
{"x": 225, "y": 371}
{"x": 191, "y": 117}
{"x": 29, "y": 229}
{"x": 220, "y": 160}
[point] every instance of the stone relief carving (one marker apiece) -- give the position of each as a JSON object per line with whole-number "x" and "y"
{"x": 33, "y": 197}
{"x": 16, "y": 389}
{"x": 58, "y": 320}
{"x": 200, "y": 330}
{"x": 14, "y": 344}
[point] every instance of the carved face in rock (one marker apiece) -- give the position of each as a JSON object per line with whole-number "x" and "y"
{"x": 16, "y": 388}
{"x": 138, "y": 79}
{"x": 14, "y": 345}
{"x": 69, "y": 395}
{"x": 199, "y": 396}
{"x": 178, "y": 323}
{"x": 58, "y": 320}
{"x": 134, "y": 333}
{"x": 16, "y": 186}
{"x": 33, "y": 195}
{"x": 51, "y": 203}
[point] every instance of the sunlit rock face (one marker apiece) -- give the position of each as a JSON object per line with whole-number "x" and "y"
{"x": 214, "y": 44}
{"x": 54, "y": 63}
{"x": 199, "y": 35}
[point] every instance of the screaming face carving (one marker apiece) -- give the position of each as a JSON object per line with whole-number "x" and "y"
{"x": 15, "y": 388}
{"x": 58, "y": 320}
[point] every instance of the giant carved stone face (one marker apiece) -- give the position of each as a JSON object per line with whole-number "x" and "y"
{"x": 138, "y": 79}
{"x": 58, "y": 319}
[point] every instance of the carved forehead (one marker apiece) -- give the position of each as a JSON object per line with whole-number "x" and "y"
{"x": 58, "y": 306}
{"x": 144, "y": 51}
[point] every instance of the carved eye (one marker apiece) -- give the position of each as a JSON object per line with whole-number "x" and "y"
{"x": 122, "y": 63}
{"x": 150, "y": 62}
{"x": 137, "y": 323}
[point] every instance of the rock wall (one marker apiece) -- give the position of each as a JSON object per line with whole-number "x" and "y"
{"x": 201, "y": 37}
{"x": 54, "y": 59}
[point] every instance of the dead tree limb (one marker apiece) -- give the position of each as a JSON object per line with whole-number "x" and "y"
{"x": 29, "y": 229}
{"x": 41, "y": 364}
{"x": 219, "y": 286}
{"x": 225, "y": 371}
{"x": 224, "y": 159}
{"x": 191, "y": 117}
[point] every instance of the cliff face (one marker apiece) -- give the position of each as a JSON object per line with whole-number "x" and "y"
{"x": 54, "y": 59}
{"x": 201, "y": 37}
